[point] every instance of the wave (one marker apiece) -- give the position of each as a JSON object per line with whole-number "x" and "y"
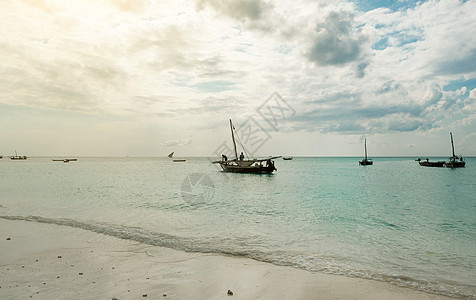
{"x": 219, "y": 245}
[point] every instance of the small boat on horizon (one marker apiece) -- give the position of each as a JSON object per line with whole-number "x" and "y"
{"x": 242, "y": 165}
{"x": 288, "y": 158}
{"x": 455, "y": 161}
{"x": 17, "y": 157}
{"x": 65, "y": 160}
{"x": 171, "y": 155}
{"x": 366, "y": 161}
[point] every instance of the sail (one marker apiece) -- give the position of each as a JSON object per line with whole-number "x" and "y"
{"x": 170, "y": 155}
{"x": 233, "y": 138}
{"x": 452, "y": 144}
{"x": 365, "y": 149}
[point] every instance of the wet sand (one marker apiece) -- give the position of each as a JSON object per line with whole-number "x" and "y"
{"x": 44, "y": 261}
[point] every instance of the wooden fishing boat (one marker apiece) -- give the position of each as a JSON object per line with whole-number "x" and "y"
{"x": 366, "y": 161}
{"x": 65, "y": 160}
{"x": 455, "y": 161}
{"x": 18, "y": 157}
{"x": 428, "y": 163}
{"x": 171, "y": 155}
{"x": 242, "y": 165}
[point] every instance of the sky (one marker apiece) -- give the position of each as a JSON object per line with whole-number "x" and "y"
{"x": 297, "y": 77}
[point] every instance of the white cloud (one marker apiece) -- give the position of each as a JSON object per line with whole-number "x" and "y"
{"x": 177, "y": 143}
{"x": 337, "y": 41}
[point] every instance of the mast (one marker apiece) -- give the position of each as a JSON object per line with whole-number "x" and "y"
{"x": 452, "y": 145}
{"x": 233, "y": 138}
{"x": 365, "y": 149}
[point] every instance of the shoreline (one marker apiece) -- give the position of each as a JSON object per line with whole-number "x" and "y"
{"x": 46, "y": 261}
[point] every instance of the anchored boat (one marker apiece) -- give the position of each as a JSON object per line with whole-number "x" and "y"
{"x": 428, "y": 163}
{"x": 171, "y": 155}
{"x": 365, "y": 161}
{"x": 242, "y": 165}
{"x": 455, "y": 161}
{"x": 17, "y": 157}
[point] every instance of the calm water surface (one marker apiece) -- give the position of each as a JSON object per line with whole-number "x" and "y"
{"x": 394, "y": 221}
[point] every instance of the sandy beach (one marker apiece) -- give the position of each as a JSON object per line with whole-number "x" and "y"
{"x": 44, "y": 261}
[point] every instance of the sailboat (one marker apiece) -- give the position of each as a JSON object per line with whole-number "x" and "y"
{"x": 365, "y": 161}
{"x": 240, "y": 165}
{"x": 16, "y": 157}
{"x": 455, "y": 161}
{"x": 171, "y": 155}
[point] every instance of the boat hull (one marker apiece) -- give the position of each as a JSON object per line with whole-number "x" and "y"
{"x": 455, "y": 164}
{"x": 435, "y": 164}
{"x": 247, "y": 169}
{"x": 366, "y": 162}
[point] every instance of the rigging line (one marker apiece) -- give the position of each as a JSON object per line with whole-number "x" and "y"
{"x": 239, "y": 141}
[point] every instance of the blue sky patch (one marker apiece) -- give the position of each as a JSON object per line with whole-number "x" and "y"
{"x": 457, "y": 84}
{"x": 215, "y": 86}
{"x": 368, "y": 5}
{"x": 403, "y": 38}
{"x": 381, "y": 44}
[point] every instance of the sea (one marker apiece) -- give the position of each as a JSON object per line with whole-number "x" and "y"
{"x": 394, "y": 221}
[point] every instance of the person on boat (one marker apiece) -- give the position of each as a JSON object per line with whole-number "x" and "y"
{"x": 270, "y": 163}
{"x": 224, "y": 157}
{"x": 242, "y": 156}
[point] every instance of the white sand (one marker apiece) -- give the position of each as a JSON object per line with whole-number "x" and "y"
{"x": 42, "y": 261}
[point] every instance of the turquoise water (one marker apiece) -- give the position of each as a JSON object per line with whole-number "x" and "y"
{"x": 394, "y": 221}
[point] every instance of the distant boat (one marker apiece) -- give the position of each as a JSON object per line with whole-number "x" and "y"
{"x": 253, "y": 166}
{"x": 428, "y": 163}
{"x": 17, "y": 157}
{"x": 287, "y": 158}
{"x": 1, "y": 156}
{"x": 66, "y": 160}
{"x": 365, "y": 161}
{"x": 171, "y": 155}
{"x": 455, "y": 161}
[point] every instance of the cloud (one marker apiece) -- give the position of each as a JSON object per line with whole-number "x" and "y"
{"x": 130, "y": 5}
{"x": 345, "y": 127}
{"x": 404, "y": 124}
{"x": 176, "y": 143}
{"x": 387, "y": 87}
{"x": 238, "y": 9}
{"x": 337, "y": 41}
